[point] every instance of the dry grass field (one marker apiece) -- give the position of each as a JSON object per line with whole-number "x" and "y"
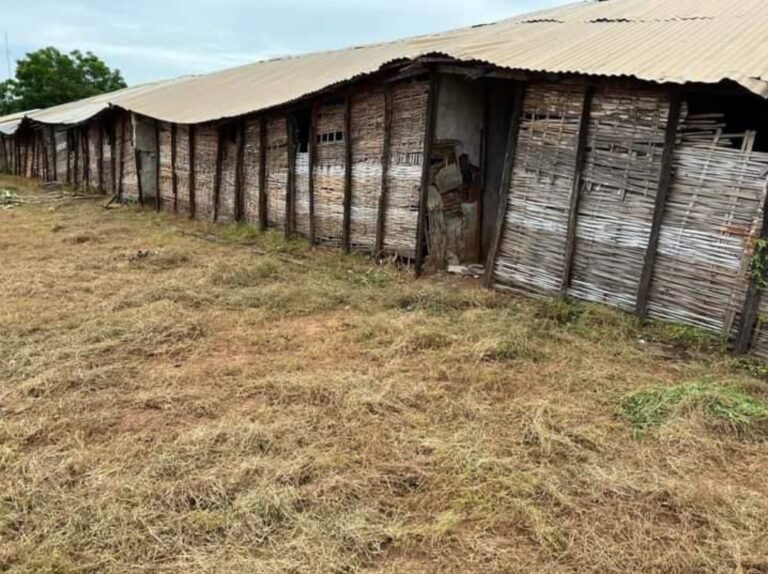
{"x": 181, "y": 397}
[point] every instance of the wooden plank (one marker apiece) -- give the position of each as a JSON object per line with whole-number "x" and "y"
{"x": 573, "y": 208}
{"x": 506, "y": 179}
{"x": 290, "y": 192}
{"x": 312, "y": 159}
{"x": 174, "y": 175}
{"x": 429, "y": 136}
{"x": 112, "y": 157}
{"x": 86, "y": 143}
{"x": 263, "y": 173}
{"x": 102, "y": 127}
{"x": 158, "y": 199}
{"x": 192, "y": 199}
{"x": 665, "y": 182}
{"x": 347, "y": 215}
{"x": 217, "y": 173}
{"x": 76, "y": 145}
{"x": 381, "y": 215}
{"x": 751, "y": 308}
{"x": 122, "y": 161}
{"x": 240, "y": 173}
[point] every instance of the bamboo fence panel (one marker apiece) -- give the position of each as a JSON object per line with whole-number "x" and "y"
{"x": 620, "y": 182}
{"x": 251, "y": 166}
{"x": 409, "y": 120}
{"x": 301, "y": 205}
{"x": 206, "y": 144}
{"x": 60, "y": 139}
{"x": 165, "y": 177}
{"x": 94, "y": 155}
{"x": 106, "y": 151}
{"x": 367, "y": 126}
{"x": 276, "y": 170}
{"x": 712, "y": 216}
{"x": 531, "y": 253}
{"x": 182, "y": 170}
{"x": 130, "y": 181}
{"x": 328, "y": 172}
{"x": 227, "y": 184}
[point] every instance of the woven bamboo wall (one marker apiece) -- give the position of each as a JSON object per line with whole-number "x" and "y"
{"x": 251, "y": 166}
{"x": 165, "y": 177}
{"x": 367, "y": 148}
{"x": 301, "y": 166}
{"x": 182, "y": 170}
{"x": 409, "y": 118}
{"x": 206, "y": 142}
{"x": 531, "y": 253}
{"x": 329, "y": 174}
{"x": 60, "y": 137}
{"x": 130, "y": 185}
{"x": 227, "y": 190}
{"x": 621, "y": 178}
{"x": 711, "y": 217}
{"x": 276, "y": 170}
{"x": 95, "y": 164}
{"x": 109, "y": 182}
{"x": 5, "y": 143}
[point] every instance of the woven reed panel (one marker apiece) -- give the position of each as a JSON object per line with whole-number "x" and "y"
{"x": 206, "y": 142}
{"x": 109, "y": 182}
{"x": 227, "y": 197}
{"x": 277, "y": 170}
{"x": 621, "y": 178}
{"x": 531, "y": 252}
{"x": 94, "y": 155}
{"x": 182, "y": 169}
{"x": 329, "y": 174}
{"x": 60, "y": 136}
{"x": 409, "y": 119}
{"x": 128, "y": 159}
{"x": 302, "y": 193}
{"x": 367, "y": 149}
{"x": 251, "y": 166}
{"x": 166, "y": 166}
{"x": 711, "y": 218}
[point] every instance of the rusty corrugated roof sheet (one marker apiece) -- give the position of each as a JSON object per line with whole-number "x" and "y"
{"x": 677, "y": 41}
{"x": 11, "y": 122}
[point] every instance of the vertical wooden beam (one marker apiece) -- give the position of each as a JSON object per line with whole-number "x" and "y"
{"x": 578, "y": 174}
{"x": 174, "y": 175}
{"x": 191, "y": 179}
{"x": 290, "y": 192}
{"x": 68, "y": 152}
{"x": 137, "y": 163}
{"x": 750, "y": 311}
{"x": 120, "y": 181}
{"x": 101, "y": 157}
{"x": 217, "y": 174}
{"x": 86, "y": 143}
{"x": 429, "y": 136}
{"x": 381, "y": 215}
{"x": 76, "y": 144}
{"x": 665, "y": 182}
{"x": 240, "y": 173}
{"x": 506, "y": 179}
{"x": 312, "y": 159}
{"x": 347, "y": 217}
{"x": 158, "y": 199}
{"x": 483, "y": 167}
{"x": 112, "y": 156}
{"x": 263, "y": 173}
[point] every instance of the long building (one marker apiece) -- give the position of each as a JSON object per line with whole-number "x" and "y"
{"x": 612, "y": 151}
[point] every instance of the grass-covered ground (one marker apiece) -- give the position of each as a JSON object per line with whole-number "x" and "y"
{"x": 177, "y": 397}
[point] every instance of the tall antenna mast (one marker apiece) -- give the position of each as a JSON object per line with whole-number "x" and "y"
{"x": 7, "y": 56}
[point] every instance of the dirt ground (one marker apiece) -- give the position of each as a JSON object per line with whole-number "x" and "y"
{"x": 182, "y": 397}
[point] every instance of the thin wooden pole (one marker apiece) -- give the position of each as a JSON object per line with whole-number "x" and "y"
{"x": 174, "y": 176}
{"x": 381, "y": 215}
{"x": 290, "y": 193}
{"x": 312, "y": 159}
{"x": 506, "y": 179}
{"x": 347, "y": 217}
{"x": 158, "y": 199}
{"x": 262, "y": 173}
{"x": 429, "y": 135}
{"x": 101, "y": 157}
{"x": 665, "y": 182}
{"x": 192, "y": 183}
{"x": 240, "y": 173}
{"x": 112, "y": 155}
{"x": 217, "y": 173}
{"x": 578, "y": 174}
{"x": 86, "y": 143}
{"x": 120, "y": 183}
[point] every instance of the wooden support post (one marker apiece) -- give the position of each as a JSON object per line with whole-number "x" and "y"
{"x": 263, "y": 173}
{"x": 429, "y": 136}
{"x": 290, "y": 192}
{"x": 506, "y": 179}
{"x": 174, "y": 175}
{"x": 381, "y": 215}
{"x": 120, "y": 183}
{"x": 749, "y": 312}
{"x": 76, "y": 144}
{"x": 665, "y": 182}
{"x": 347, "y": 217}
{"x": 112, "y": 156}
{"x": 573, "y": 207}
{"x": 192, "y": 198}
{"x": 137, "y": 162}
{"x": 158, "y": 199}
{"x": 312, "y": 159}
{"x": 240, "y": 173}
{"x": 217, "y": 173}
{"x": 101, "y": 158}
{"x": 86, "y": 143}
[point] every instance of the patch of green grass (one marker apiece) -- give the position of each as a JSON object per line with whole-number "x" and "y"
{"x": 244, "y": 275}
{"x": 658, "y": 405}
{"x": 560, "y": 311}
{"x": 690, "y": 337}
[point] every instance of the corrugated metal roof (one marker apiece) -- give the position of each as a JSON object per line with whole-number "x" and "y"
{"x": 10, "y": 123}
{"x": 676, "y": 41}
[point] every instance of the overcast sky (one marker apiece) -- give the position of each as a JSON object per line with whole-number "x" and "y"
{"x": 155, "y": 39}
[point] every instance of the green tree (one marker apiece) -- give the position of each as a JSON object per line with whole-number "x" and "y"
{"x": 48, "y": 78}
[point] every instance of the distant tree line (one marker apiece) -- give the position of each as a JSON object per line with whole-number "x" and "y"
{"x": 49, "y": 77}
